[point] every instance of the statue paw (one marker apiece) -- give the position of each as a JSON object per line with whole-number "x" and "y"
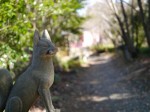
{"x": 57, "y": 110}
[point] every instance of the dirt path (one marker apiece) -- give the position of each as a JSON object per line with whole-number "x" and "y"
{"x": 102, "y": 88}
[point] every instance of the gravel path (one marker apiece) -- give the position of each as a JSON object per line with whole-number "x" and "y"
{"x": 101, "y": 88}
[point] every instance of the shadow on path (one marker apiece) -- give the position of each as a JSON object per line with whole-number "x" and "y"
{"x": 101, "y": 88}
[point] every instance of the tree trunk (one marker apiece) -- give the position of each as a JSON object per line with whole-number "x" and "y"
{"x": 125, "y": 19}
{"x": 124, "y": 30}
{"x": 148, "y": 17}
{"x": 132, "y": 21}
{"x": 148, "y": 11}
{"x": 145, "y": 25}
{"x": 128, "y": 42}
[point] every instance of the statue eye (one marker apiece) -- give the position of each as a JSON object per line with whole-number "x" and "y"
{"x": 45, "y": 46}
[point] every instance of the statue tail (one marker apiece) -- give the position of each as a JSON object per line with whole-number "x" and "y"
{"x": 6, "y": 83}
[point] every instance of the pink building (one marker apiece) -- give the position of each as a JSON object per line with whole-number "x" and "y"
{"x": 90, "y": 39}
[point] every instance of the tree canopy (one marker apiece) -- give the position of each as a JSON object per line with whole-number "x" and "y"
{"x": 19, "y": 19}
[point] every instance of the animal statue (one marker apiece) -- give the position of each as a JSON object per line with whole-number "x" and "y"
{"x": 37, "y": 79}
{"x": 6, "y": 84}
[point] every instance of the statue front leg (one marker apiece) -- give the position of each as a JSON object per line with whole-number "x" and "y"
{"x": 46, "y": 97}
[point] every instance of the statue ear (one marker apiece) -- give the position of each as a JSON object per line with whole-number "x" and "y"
{"x": 36, "y": 37}
{"x": 46, "y": 35}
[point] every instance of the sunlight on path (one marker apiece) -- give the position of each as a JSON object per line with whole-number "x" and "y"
{"x": 100, "y": 88}
{"x": 111, "y": 97}
{"x": 102, "y": 59}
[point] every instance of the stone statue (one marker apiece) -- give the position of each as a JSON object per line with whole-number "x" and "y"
{"x": 36, "y": 80}
{"x": 6, "y": 84}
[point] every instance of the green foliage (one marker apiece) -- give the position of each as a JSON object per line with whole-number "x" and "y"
{"x": 102, "y": 48}
{"x": 58, "y": 17}
{"x": 145, "y": 51}
{"x": 70, "y": 64}
{"x": 14, "y": 37}
{"x": 18, "y": 19}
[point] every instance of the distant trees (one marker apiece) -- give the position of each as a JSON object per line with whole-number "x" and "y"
{"x": 119, "y": 18}
{"x": 19, "y": 18}
{"x": 98, "y": 20}
{"x": 133, "y": 19}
